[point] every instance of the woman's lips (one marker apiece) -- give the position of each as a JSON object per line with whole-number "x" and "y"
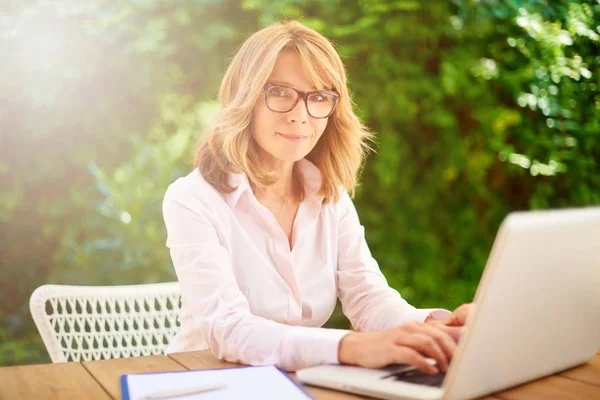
{"x": 293, "y": 138}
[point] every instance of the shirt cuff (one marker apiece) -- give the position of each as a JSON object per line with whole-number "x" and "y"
{"x": 440, "y": 313}
{"x": 435, "y": 313}
{"x": 308, "y": 346}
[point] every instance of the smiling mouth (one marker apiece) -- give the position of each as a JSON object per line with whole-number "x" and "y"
{"x": 293, "y": 138}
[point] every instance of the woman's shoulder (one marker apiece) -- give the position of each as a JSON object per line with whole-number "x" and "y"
{"x": 344, "y": 205}
{"x": 194, "y": 191}
{"x": 343, "y": 201}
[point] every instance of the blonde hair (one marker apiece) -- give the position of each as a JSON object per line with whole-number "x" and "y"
{"x": 228, "y": 146}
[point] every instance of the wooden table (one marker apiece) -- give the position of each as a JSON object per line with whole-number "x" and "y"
{"x": 100, "y": 379}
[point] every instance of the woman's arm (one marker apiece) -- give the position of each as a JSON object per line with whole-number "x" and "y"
{"x": 367, "y": 300}
{"x": 220, "y": 311}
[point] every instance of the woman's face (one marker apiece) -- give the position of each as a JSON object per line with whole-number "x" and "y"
{"x": 288, "y": 136}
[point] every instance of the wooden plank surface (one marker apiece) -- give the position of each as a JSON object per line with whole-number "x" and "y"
{"x": 101, "y": 379}
{"x": 588, "y": 373}
{"x": 200, "y": 360}
{"x": 108, "y": 372}
{"x": 554, "y": 387}
{"x": 48, "y": 382}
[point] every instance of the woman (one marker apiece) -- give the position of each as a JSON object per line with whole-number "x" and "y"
{"x": 264, "y": 236}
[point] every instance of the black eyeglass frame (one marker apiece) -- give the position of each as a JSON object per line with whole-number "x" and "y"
{"x": 304, "y": 96}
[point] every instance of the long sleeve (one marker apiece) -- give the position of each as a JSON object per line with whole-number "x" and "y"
{"x": 219, "y": 310}
{"x": 367, "y": 300}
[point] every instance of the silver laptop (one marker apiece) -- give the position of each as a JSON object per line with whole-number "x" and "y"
{"x": 538, "y": 313}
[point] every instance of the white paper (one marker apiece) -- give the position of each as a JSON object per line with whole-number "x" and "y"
{"x": 241, "y": 383}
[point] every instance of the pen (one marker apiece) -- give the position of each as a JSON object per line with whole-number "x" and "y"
{"x": 184, "y": 392}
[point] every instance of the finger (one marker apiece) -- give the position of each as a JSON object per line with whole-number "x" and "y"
{"x": 426, "y": 345}
{"x": 455, "y": 332}
{"x": 443, "y": 338}
{"x": 406, "y": 355}
{"x": 460, "y": 315}
{"x": 454, "y": 320}
{"x": 451, "y": 320}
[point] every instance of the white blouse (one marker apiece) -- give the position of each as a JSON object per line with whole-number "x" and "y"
{"x": 248, "y": 298}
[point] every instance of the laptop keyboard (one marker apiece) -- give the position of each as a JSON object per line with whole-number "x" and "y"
{"x": 417, "y": 377}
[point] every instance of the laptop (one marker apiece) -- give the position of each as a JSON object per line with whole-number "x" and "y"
{"x": 537, "y": 313}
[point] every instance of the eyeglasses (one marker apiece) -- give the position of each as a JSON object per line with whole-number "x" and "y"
{"x": 282, "y": 99}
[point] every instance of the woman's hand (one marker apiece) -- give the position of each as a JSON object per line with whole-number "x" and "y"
{"x": 408, "y": 343}
{"x": 457, "y": 318}
{"x": 460, "y": 315}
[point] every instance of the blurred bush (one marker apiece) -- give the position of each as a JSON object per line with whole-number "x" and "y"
{"x": 122, "y": 240}
{"x": 480, "y": 108}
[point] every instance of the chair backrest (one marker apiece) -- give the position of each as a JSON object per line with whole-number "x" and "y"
{"x": 84, "y": 323}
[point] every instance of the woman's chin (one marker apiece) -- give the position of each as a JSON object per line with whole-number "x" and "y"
{"x": 288, "y": 154}
{"x": 292, "y": 157}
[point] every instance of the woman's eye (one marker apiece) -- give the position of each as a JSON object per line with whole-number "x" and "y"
{"x": 277, "y": 92}
{"x": 318, "y": 97}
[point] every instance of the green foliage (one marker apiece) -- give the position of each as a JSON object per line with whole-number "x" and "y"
{"x": 121, "y": 241}
{"x": 480, "y": 108}
{"x": 20, "y": 344}
{"x": 83, "y": 85}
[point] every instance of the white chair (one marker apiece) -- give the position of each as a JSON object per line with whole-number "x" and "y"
{"x": 84, "y": 323}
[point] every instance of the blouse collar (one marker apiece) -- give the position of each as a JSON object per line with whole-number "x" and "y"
{"x": 309, "y": 174}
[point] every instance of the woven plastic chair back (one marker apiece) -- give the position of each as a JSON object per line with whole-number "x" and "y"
{"x": 85, "y": 323}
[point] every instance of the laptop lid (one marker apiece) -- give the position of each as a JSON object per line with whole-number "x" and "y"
{"x": 538, "y": 303}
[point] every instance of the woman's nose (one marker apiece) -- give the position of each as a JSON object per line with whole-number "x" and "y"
{"x": 298, "y": 114}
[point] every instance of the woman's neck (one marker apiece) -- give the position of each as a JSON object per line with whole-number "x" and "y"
{"x": 286, "y": 186}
